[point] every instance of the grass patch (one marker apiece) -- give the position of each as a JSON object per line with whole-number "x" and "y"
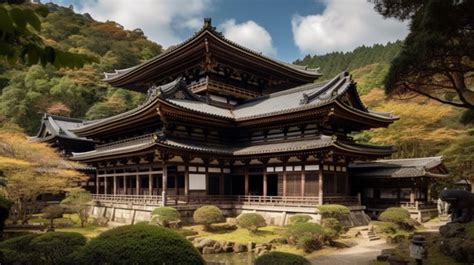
{"x": 242, "y": 235}
{"x": 88, "y": 231}
{"x": 469, "y": 229}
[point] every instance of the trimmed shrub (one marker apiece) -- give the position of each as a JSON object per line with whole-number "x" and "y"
{"x": 398, "y": 216}
{"x": 300, "y": 218}
{"x": 138, "y": 244}
{"x": 251, "y": 221}
{"x": 48, "y": 248}
{"x": 333, "y": 210}
{"x": 298, "y": 233}
{"x": 52, "y": 212}
{"x": 281, "y": 258}
{"x": 309, "y": 244}
{"x": 333, "y": 225}
{"x": 164, "y": 215}
{"x": 207, "y": 215}
{"x": 383, "y": 227}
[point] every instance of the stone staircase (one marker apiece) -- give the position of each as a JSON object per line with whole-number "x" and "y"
{"x": 362, "y": 232}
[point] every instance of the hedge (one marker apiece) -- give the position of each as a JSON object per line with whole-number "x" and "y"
{"x": 47, "y": 248}
{"x": 251, "y": 221}
{"x": 398, "y": 216}
{"x": 281, "y": 258}
{"x": 165, "y": 215}
{"x": 333, "y": 210}
{"x": 138, "y": 244}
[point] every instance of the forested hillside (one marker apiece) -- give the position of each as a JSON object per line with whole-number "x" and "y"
{"x": 26, "y": 92}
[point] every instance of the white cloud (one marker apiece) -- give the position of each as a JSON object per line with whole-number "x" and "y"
{"x": 249, "y": 34}
{"x": 159, "y": 20}
{"x": 344, "y": 25}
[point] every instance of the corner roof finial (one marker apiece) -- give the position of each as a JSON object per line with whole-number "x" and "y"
{"x": 207, "y": 23}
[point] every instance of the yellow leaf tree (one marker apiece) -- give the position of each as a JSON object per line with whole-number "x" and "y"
{"x": 31, "y": 169}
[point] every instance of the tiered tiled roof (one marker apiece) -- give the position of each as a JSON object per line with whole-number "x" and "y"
{"x": 53, "y": 126}
{"x": 400, "y": 168}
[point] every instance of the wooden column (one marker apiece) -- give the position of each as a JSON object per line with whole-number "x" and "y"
{"x": 186, "y": 179}
{"x": 125, "y": 184}
{"x": 150, "y": 183}
{"x": 321, "y": 183}
{"x": 303, "y": 180}
{"x": 284, "y": 179}
{"x": 137, "y": 182}
{"x": 221, "y": 182}
{"x": 246, "y": 176}
{"x": 105, "y": 185}
{"x": 176, "y": 185}
{"x": 115, "y": 184}
{"x": 164, "y": 183}
{"x": 206, "y": 165}
{"x": 265, "y": 186}
{"x": 97, "y": 183}
{"x": 412, "y": 196}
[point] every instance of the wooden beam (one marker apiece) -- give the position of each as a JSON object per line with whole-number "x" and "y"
{"x": 246, "y": 176}
{"x": 265, "y": 186}
{"x": 96, "y": 184}
{"x": 105, "y": 185}
{"x": 150, "y": 183}
{"x": 284, "y": 180}
{"x": 137, "y": 183}
{"x": 125, "y": 184}
{"x": 303, "y": 180}
{"x": 186, "y": 179}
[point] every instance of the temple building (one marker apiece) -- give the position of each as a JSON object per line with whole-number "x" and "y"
{"x": 223, "y": 123}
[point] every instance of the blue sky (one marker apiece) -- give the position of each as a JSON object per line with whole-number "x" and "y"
{"x": 284, "y": 29}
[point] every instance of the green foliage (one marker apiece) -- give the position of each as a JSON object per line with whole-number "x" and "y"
{"x": 251, "y": 221}
{"x": 384, "y": 227}
{"x": 281, "y": 258}
{"x": 47, "y": 248}
{"x": 398, "y": 216}
{"x": 29, "y": 90}
{"x": 333, "y": 63}
{"x": 333, "y": 210}
{"x": 138, "y": 244}
{"x": 459, "y": 156}
{"x": 333, "y": 226}
{"x": 300, "y": 218}
{"x": 5, "y": 206}
{"x": 207, "y": 215}
{"x": 52, "y": 212}
{"x": 165, "y": 214}
{"x": 436, "y": 59}
{"x": 76, "y": 201}
{"x": 21, "y": 42}
{"x": 309, "y": 244}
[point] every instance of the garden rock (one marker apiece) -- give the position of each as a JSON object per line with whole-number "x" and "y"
{"x": 208, "y": 250}
{"x": 238, "y": 248}
{"x": 175, "y": 224}
{"x": 101, "y": 221}
{"x": 206, "y": 243}
{"x": 250, "y": 246}
{"x": 452, "y": 230}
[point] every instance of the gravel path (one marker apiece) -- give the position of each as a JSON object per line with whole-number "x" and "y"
{"x": 362, "y": 254}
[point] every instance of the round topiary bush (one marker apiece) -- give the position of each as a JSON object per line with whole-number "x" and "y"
{"x": 207, "y": 215}
{"x": 333, "y": 210}
{"x": 309, "y": 244}
{"x": 138, "y": 244}
{"x": 300, "y": 232}
{"x": 164, "y": 215}
{"x": 52, "y": 212}
{"x": 47, "y": 248}
{"x": 398, "y": 216}
{"x": 300, "y": 218}
{"x": 333, "y": 225}
{"x": 281, "y": 258}
{"x": 251, "y": 221}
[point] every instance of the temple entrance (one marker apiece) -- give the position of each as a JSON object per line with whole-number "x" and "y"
{"x": 238, "y": 185}
{"x": 214, "y": 184}
{"x": 272, "y": 185}
{"x": 256, "y": 185}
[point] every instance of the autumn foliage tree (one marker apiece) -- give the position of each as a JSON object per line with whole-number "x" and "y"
{"x": 32, "y": 169}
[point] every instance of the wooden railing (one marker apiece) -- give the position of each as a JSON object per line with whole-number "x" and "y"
{"x": 303, "y": 201}
{"x": 417, "y": 205}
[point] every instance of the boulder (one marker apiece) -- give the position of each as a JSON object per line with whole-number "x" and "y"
{"x": 231, "y": 221}
{"x": 452, "y": 230}
{"x": 395, "y": 239}
{"x": 238, "y": 248}
{"x": 228, "y": 246}
{"x": 382, "y": 257}
{"x": 208, "y": 250}
{"x": 250, "y": 246}
{"x": 460, "y": 249}
{"x": 397, "y": 260}
{"x": 191, "y": 238}
{"x": 278, "y": 240}
{"x": 175, "y": 224}
{"x": 263, "y": 252}
{"x": 207, "y": 243}
{"x": 101, "y": 221}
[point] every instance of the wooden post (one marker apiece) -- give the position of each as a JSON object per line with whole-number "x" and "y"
{"x": 115, "y": 184}
{"x": 265, "y": 191}
{"x": 165, "y": 183}
{"x": 303, "y": 180}
{"x": 246, "y": 180}
{"x": 412, "y": 196}
{"x": 206, "y": 165}
{"x": 321, "y": 183}
{"x": 186, "y": 179}
{"x": 176, "y": 185}
{"x": 137, "y": 182}
{"x": 221, "y": 182}
{"x": 105, "y": 185}
{"x": 150, "y": 183}
{"x": 284, "y": 180}
{"x": 125, "y": 184}
{"x": 96, "y": 183}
